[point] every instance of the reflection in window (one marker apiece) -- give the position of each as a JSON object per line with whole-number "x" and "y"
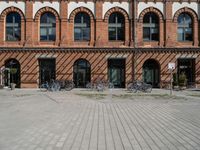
{"x": 82, "y": 27}
{"x": 47, "y": 27}
{"x": 185, "y": 27}
{"x": 13, "y": 27}
{"x": 116, "y": 27}
{"x": 150, "y": 27}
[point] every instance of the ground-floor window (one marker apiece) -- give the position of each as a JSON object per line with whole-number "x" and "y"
{"x": 81, "y": 73}
{"x": 12, "y": 72}
{"x": 116, "y": 72}
{"x": 47, "y": 70}
{"x": 187, "y": 66}
{"x": 151, "y": 72}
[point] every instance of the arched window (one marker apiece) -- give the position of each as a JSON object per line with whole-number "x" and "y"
{"x": 82, "y": 27}
{"x": 150, "y": 27}
{"x": 116, "y": 26}
{"x": 47, "y": 27}
{"x": 185, "y": 23}
{"x": 13, "y": 27}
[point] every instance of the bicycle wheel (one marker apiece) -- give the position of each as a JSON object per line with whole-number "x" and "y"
{"x": 44, "y": 87}
{"x": 134, "y": 88}
{"x": 100, "y": 87}
{"x": 110, "y": 85}
{"x": 89, "y": 86}
{"x": 148, "y": 88}
{"x": 129, "y": 87}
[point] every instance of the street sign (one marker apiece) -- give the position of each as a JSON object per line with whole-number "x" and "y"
{"x": 171, "y": 66}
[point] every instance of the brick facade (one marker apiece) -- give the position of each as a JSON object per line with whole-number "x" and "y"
{"x": 99, "y": 49}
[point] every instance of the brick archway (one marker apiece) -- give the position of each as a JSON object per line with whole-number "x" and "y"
{"x": 3, "y": 20}
{"x": 81, "y": 9}
{"x": 160, "y": 16}
{"x": 37, "y": 25}
{"x": 116, "y": 9}
{"x": 12, "y": 9}
{"x": 153, "y": 10}
{"x": 44, "y": 10}
{"x": 185, "y": 10}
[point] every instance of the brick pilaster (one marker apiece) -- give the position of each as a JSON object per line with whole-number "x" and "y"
{"x": 29, "y": 23}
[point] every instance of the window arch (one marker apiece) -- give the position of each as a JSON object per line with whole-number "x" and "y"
{"x": 82, "y": 27}
{"x": 13, "y": 27}
{"x": 47, "y": 27}
{"x": 150, "y": 27}
{"x": 185, "y": 29}
{"x": 116, "y": 26}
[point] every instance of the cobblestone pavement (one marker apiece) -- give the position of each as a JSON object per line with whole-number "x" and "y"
{"x": 82, "y": 120}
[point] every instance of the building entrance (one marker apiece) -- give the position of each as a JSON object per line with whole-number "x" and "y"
{"x": 12, "y": 73}
{"x": 47, "y": 70}
{"x": 82, "y": 73}
{"x": 151, "y": 73}
{"x": 187, "y": 66}
{"x": 116, "y": 72}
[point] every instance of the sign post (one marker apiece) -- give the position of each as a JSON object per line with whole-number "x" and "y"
{"x": 171, "y": 67}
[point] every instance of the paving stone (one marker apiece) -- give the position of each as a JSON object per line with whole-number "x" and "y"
{"x": 71, "y": 121}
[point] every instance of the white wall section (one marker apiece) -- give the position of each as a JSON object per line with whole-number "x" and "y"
{"x": 176, "y": 6}
{"x": 109, "y": 5}
{"x": 73, "y": 5}
{"x": 38, "y": 5}
{"x": 143, "y": 5}
{"x": 20, "y": 5}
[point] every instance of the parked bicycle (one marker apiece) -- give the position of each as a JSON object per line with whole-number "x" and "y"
{"x": 99, "y": 85}
{"x": 139, "y": 86}
{"x": 50, "y": 86}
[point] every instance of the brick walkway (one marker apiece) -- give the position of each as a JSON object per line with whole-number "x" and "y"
{"x": 31, "y": 120}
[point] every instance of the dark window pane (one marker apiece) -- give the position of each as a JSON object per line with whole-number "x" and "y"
{"x": 77, "y": 33}
{"x": 146, "y": 34}
{"x": 180, "y": 34}
{"x": 120, "y": 34}
{"x": 154, "y": 34}
{"x": 112, "y": 33}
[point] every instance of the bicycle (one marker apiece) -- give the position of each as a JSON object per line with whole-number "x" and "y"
{"x": 52, "y": 86}
{"x": 44, "y": 87}
{"x": 139, "y": 86}
{"x": 69, "y": 85}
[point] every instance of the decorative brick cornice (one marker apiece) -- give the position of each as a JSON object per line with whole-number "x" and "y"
{"x": 186, "y": 10}
{"x": 81, "y": 9}
{"x": 115, "y": 9}
{"x": 153, "y": 10}
{"x": 114, "y": 50}
{"x": 12, "y": 9}
{"x": 46, "y": 9}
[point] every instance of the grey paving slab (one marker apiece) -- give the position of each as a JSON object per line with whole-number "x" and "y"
{"x": 86, "y": 120}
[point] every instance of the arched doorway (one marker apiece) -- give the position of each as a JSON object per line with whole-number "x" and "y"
{"x": 151, "y": 72}
{"x": 12, "y": 72}
{"x": 82, "y": 73}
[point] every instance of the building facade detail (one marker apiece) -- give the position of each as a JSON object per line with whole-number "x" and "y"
{"x": 118, "y": 41}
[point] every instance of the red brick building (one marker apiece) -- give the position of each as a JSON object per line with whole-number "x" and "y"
{"x": 84, "y": 41}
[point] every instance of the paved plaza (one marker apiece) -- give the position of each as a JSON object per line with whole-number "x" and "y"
{"x": 110, "y": 120}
